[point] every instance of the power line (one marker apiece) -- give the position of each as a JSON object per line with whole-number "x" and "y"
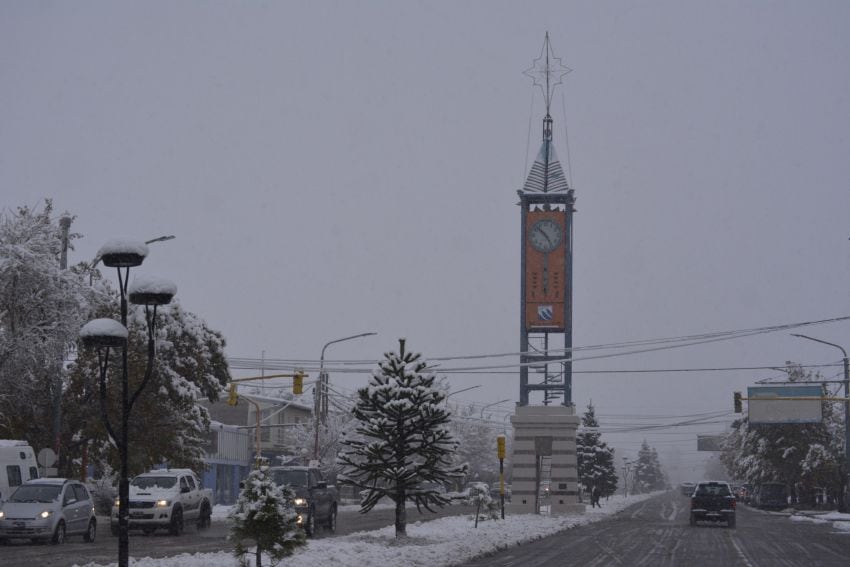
{"x": 654, "y": 344}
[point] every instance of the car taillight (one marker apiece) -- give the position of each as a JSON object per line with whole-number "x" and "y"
{"x": 733, "y": 503}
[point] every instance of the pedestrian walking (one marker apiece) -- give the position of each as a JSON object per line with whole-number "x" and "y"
{"x": 594, "y": 497}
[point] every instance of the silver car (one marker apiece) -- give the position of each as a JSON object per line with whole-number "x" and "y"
{"x": 48, "y": 509}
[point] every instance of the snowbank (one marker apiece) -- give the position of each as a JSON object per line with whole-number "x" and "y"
{"x": 437, "y": 543}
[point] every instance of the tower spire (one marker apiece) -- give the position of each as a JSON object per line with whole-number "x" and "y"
{"x": 547, "y": 72}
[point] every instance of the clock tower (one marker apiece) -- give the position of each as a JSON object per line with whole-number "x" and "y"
{"x": 544, "y": 465}
{"x": 546, "y": 202}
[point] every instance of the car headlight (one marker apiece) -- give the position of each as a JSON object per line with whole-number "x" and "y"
{"x": 45, "y": 514}
{"x": 117, "y": 502}
{"x": 300, "y": 501}
{"x": 163, "y": 503}
{"x": 2, "y": 515}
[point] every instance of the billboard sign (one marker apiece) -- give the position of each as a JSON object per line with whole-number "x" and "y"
{"x": 709, "y": 443}
{"x": 784, "y": 404}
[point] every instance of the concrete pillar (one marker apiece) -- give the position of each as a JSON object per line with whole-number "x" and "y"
{"x": 545, "y": 431}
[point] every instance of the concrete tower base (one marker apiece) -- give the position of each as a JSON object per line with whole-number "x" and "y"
{"x": 545, "y": 431}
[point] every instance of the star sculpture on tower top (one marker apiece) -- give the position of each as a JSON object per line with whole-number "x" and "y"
{"x": 547, "y": 71}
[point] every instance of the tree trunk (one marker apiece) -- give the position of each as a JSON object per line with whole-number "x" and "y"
{"x": 259, "y": 556}
{"x": 400, "y": 515}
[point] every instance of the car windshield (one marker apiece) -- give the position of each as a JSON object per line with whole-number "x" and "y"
{"x": 35, "y": 493}
{"x": 154, "y": 481}
{"x": 292, "y": 478}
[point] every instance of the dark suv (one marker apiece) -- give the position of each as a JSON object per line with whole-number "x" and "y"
{"x": 713, "y": 501}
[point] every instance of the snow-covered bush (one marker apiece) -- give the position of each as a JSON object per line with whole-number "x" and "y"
{"x": 264, "y": 515}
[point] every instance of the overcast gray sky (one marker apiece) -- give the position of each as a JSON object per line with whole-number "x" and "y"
{"x": 331, "y": 168}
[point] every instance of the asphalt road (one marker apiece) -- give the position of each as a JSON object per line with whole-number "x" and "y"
{"x": 656, "y": 533}
{"x": 104, "y": 550}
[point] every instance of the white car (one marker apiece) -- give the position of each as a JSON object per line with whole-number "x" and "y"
{"x": 48, "y": 509}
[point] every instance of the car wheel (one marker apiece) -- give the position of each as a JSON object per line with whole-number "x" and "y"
{"x": 693, "y": 520}
{"x": 332, "y": 521}
{"x": 310, "y": 524}
{"x": 175, "y": 528}
{"x": 204, "y": 520}
{"x": 59, "y": 533}
{"x": 91, "y": 531}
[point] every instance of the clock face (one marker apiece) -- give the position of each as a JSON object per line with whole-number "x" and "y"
{"x": 545, "y": 235}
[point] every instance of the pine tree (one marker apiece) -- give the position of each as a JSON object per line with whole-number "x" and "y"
{"x": 404, "y": 441}
{"x": 263, "y": 515}
{"x": 595, "y": 459}
{"x": 648, "y": 475}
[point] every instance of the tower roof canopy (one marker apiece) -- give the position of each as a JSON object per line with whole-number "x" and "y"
{"x": 546, "y": 175}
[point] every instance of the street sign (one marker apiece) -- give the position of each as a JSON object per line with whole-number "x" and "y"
{"x": 46, "y": 457}
{"x": 765, "y": 404}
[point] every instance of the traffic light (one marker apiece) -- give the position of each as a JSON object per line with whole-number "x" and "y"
{"x": 500, "y": 446}
{"x": 739, "y": 408}
{"x": 298, "y": 383}
{"x": 233, "y": 398}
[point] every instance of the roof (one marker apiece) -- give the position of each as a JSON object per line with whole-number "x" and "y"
{"x": 50, "y": 481}
{"x": 546, "y": 175}
{"x": 167, "y": 472}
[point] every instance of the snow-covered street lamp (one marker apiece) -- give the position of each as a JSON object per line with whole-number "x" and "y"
{"x": 104, "y": 334}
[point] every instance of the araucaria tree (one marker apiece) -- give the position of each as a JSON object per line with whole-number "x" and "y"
{"x": 263, "y": 515}
{"x": 595, "y": 458}
{"x": 404, "y": 438}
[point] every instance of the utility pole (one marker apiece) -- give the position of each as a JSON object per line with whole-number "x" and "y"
{"x": 320, "y": 392}
{"x": 65, "y": 227}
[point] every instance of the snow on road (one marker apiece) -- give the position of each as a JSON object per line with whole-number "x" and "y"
{"x": 438, "y": 543}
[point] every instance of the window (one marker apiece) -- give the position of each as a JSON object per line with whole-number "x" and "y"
{"x": 183, "y": 484}
{"x": 13, "y": 473}
{"x": 69, "y": 497}
{"x": 190, "y": 482}
{"x": 33, "y": 472}
{"x": 81, "y": 493}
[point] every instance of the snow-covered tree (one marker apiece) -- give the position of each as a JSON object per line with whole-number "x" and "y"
{"x": 404, "y": 441}
{"x": 168, "y": 425}
{"x": 263, "y": 514}
{"x": 803, "y": 456}
{"x": 476, "y": 438}
{"x": 479, "y": 496}
{"x": 648, "y": 475}
{"x": 595, "y": 459}
{"x": 42, "y": 308}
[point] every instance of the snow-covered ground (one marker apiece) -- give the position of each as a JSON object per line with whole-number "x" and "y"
{"x": 438, "y": 543}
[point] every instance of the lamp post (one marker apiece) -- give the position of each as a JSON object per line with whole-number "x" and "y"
{"x": 321, "y": 391}
{"x": 104, "y": 334}
{"x": 450, "y": 394}
{"x": 493, "y": 404}
{"x": 843, "y": 502}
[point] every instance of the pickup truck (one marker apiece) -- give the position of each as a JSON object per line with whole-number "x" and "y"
{"x": 315, "y": 502}
{"x": 713, "y": 501}
{"x": 166, "y": 498}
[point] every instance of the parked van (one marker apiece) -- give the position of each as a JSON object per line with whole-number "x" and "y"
{"x": 17, "y": 465}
